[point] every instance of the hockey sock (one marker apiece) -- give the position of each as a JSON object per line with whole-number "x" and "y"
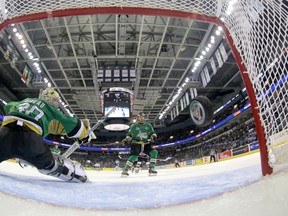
{"x": 153, "y": 158}
{"x": 153, "y": 153}
{"x": 152, "y": 165}
{"x": 130, "y": 162}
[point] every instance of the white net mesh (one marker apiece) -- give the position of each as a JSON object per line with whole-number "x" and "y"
{"x": 258, "y": 29}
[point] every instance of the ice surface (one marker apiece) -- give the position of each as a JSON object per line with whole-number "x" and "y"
{"x": 233, "y": 187}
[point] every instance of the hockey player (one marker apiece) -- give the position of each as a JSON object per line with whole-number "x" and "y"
{"x": 138, "y": 135}
{"x": 26, "y": 123}
{"x": 176, "y": 163}
{"x": 213, "y": 155}
{"x": 136, "y": 166}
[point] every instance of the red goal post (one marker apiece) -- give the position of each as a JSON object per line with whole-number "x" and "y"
{"x": 256, "y": 31}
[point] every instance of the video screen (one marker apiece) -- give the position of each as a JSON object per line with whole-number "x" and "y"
{"x": 120, "y": 100}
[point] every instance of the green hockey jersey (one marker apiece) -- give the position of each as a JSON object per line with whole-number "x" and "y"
{"x": 141, "y": 132}
{"x": 43, "y": 118}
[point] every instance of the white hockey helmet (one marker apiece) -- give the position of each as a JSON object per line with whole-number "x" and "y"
{"x": 140, "y": 118}
{"x": 51, "y": 96}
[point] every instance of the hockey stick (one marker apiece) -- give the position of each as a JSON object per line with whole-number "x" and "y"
{"x": 76, "y": 144}
{"x": 147, "y": 157}
{"x": 166, "y": 159}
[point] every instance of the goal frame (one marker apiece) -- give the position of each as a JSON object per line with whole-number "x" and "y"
{"x": 266, "y": 169}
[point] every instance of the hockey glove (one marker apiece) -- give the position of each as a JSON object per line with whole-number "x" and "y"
{"x": 90, "y": 134}
{"x": 124, "y": 141}
{"x": 127, "y": 140}
{"x": 153, "y": 138}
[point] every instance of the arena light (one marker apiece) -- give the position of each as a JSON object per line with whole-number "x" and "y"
{"x": 116, "y": 127}
{"x": 197, "y": 63}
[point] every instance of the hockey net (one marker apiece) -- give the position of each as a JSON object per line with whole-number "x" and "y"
{"x": 256, "y": 31}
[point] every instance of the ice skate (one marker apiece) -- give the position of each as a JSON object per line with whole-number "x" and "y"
{"x": 124, "y": 173}
{"x": 152, "y": 172}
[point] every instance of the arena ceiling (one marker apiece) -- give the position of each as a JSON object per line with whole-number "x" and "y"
{"x": 72, "y": 52}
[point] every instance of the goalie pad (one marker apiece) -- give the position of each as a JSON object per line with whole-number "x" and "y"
{"x": 23, "y": 163}
{"x": 66, "y": 170}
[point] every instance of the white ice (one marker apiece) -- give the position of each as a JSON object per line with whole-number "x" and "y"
{"x": 234, "y": 187}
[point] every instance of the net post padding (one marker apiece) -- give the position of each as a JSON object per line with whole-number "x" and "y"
{"x": 266, "y": 169}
